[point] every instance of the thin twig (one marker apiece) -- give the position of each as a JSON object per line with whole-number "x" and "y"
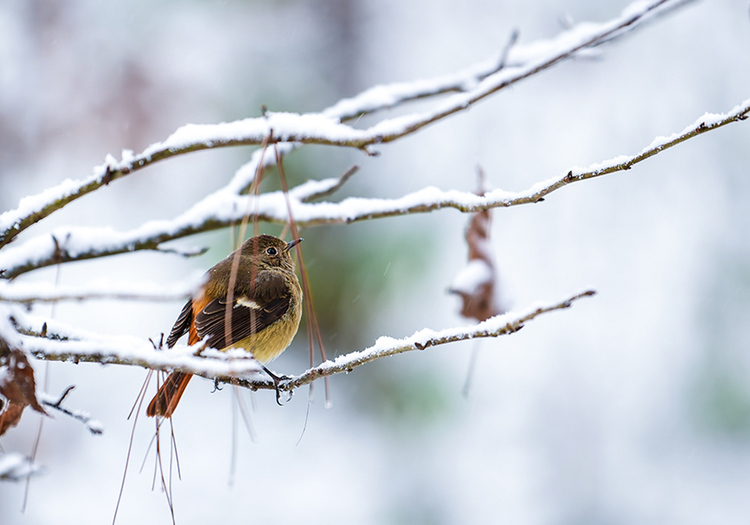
{"x": 94, "y": 426}
{"x": 325, "y": 191}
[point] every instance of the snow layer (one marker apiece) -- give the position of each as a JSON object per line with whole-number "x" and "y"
{"x": 19, "y": 291}
{"x": 16, "y": 467}
{"x": 476, "y": 273}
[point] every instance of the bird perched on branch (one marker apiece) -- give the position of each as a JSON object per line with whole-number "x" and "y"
{"x": 251, "y": 300}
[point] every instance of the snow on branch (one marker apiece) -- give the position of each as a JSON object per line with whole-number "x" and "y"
{"x": 504, "y": 324}
{"x": 430, "y": 198}
{"x": 91, "y": 424}
{"x": 16, "y": 467}
{"x": 119, "y": 350}
{"x": 225, "y": 208}
{"x": 218, "y": 210}
{"x": 327, "y": 127}
{"x": 237, "y": 366}
{"x": 52, "y": 340}
{"x": 45, "y": 292}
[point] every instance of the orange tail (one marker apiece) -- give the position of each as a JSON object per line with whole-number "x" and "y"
{"x": 166, "y": 399}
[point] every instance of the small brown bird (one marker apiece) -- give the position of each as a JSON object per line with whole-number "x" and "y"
{"x": 264, "y": 317}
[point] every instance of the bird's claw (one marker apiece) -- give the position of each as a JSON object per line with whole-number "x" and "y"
{"x": 276, "y": 380}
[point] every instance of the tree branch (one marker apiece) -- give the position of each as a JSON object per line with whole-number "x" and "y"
{"x": 16, "y": 467}
{"x": 99, "y": 242}
{"x": 91, "y": 424}
{"x": 327, "y": 127}
{"x": 238, "y": 367}
{"x": 45, "y": 292}
{"x": 430, "y": 199}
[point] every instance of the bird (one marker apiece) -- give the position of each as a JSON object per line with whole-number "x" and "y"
{"x": 263, "y": 319}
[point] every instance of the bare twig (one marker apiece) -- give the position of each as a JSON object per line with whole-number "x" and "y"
{"x": 94, "y": 426}
{"x": 330, "y": 189}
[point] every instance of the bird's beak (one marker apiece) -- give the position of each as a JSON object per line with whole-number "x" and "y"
{"x": 292, "y": 244}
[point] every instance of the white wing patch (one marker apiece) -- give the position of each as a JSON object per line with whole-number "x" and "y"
{"x": 247, "y": 302}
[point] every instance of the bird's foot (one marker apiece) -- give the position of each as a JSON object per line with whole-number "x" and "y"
{"x": 276, "y": 380}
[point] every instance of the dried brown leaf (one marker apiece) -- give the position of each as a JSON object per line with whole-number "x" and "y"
{"x": 477, "y": 282}
{"x": 17, "y": 386}
{"x": 10, "y": 416}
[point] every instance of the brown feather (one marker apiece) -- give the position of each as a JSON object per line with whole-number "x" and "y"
{"x": 246, "y": 321}
{"x": 182, "y": 325}
{"x": 170, "y": 392}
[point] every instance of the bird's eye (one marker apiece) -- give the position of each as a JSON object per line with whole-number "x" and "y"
{"x": 271, "y": 251}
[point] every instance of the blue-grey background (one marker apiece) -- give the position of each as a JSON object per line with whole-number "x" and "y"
{"x": 632, "y": 407}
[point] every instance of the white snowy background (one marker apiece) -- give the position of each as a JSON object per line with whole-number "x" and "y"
{"x": 631, "y": 407}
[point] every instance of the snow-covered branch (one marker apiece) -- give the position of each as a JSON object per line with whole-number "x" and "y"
{"x": 328, "y": 127}
{"x": 45, "y": 292}
{"x": 225, "y": 208}
{"x": 16, "y": 467}
{"x": 430, "y": 198}
{"x": 92, "y": 425}
{"x": 220, "y": 209}
{"x": 497, "y": 326}
{"x": 238, "y": 367}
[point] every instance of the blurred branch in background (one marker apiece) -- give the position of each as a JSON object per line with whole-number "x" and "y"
{"x": 15, "y": 467}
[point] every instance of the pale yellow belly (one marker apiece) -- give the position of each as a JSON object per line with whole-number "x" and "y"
{"x": 269, "y": 343}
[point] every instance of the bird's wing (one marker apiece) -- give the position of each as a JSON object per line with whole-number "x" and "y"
{"x": 181, "y": 325}
{"x": 251, "y": 312}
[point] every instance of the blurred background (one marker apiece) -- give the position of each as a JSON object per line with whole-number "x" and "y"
{"x": 631, "y": 407}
